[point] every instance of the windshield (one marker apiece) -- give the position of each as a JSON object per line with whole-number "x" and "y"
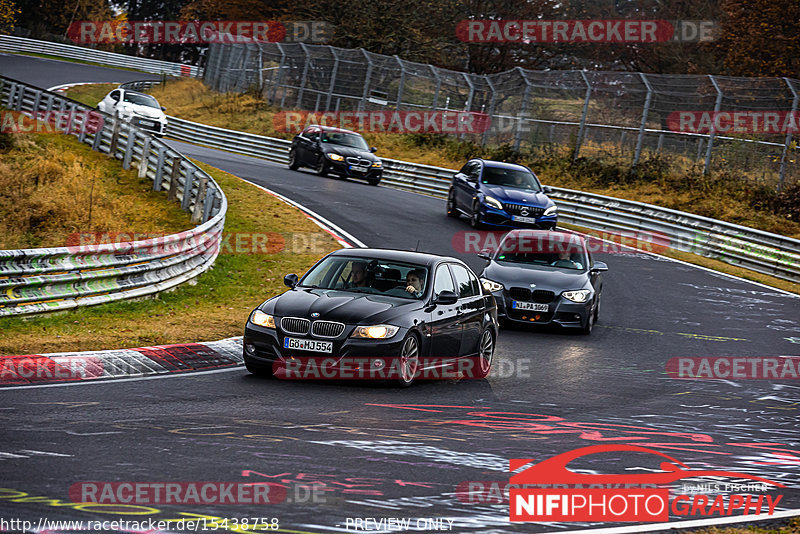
{"x": 368, "y": 275}
{"x": 141, "y": 100}
{"x": 345, "y": 139}
{"x": 518, "y": 178}
{"x": 563, "y": 251}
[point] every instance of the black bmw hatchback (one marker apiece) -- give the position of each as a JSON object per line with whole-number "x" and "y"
{"x": 329, "y": 150}
{"x": 376, "y": 314}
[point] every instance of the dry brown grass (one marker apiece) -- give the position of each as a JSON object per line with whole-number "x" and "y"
{"x": 52, "y": 186}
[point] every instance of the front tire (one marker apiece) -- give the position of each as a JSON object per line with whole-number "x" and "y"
{"x": 587, "y": 328}
{"x": 322, "y": 168}
{"x": 293, "y": 164}
{"x": 409, "y": 361}
{"x": 451, "y": 205}
{"x": 483, "y": 361}
{"x": 475, "y": 219}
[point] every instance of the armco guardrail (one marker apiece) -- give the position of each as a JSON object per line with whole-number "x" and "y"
{"x": 41, "y": 280}
{"x": 752, "y": 249}
{"x": 9, "y": 43}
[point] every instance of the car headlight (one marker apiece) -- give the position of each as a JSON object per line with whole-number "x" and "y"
{"x": 576, "y": 296}
{"x": 552, "y": 210}
{"x": 493, "y": 202}
{"x": 378, "y": 331}
{"x": 335, "y": 157}
{"x": 262, "y": 319}
{"x": 490, "y": 285}
{"x": 377, "y": 164}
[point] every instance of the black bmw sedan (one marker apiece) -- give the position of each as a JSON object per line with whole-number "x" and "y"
{"x": 545, "y": 277}
{"x": 329, "y": 150}
{"x": 376, "y": 314}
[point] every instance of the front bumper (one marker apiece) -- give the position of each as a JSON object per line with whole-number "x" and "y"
{"x": 561, "y": 312}
{"x": 501, "y": 218}
{"x": 148, "y": 124}
{"x": 351, "y": 358}
{"x": 342, "y": 168}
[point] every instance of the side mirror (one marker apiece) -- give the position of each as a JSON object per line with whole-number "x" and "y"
{"x": 547, "y": 190}
{"x": 163, "y": 108}
{"x": 599, "y": 267}
{"x": 373, "y": 149}
{"x": 290, "y": 280}
{"x": 446, "y": 297}
{"x": 486, "y": 254}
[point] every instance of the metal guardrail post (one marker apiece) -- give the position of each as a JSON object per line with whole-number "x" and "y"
{"x": 188, "y": 184}
{"x": 162, "y": 155}
{"x": 129, "y": 145}
{"x": 304, "y": 77}
{"x": 114, "y": 137}
{"x": 37, "y": 98}
{"x": 197, "y": 212}
{"x": 208, "y": 203}
{"x": 174, "y": 177}
{"x": 84, "y": 123}
{"x": 367, "y": 79}
{"x": 582, "y": 126}
{"x": 10, "y": 100}
{"x": 485, "y": 136}
{"x": 333, "y": 77}
{"x": 647, "y": 100}
{"x": 788, "y": 141}
{"x": 402, "y": 82}
{"x": 145, "y": 160}
{"x": 523, "y": 109}
{"x": 712, "y": 133}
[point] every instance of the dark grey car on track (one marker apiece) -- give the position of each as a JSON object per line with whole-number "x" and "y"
{"x": 544, "y": 277}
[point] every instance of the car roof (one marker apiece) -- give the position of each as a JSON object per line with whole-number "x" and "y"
{"x": 407, "y": 256}
{"x": 547, "y": 236}
{"x": 502, "y": 164}
{"x": 331, "y": 129}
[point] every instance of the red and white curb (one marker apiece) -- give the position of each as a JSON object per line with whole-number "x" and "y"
{"x": 58, "y": 367}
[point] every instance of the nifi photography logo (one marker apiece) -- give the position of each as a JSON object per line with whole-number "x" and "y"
{"x": 548, "y": 491}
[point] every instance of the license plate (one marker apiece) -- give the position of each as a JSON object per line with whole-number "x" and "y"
{"x": 517, "y": 218}
{"x": 147, "y": 123}
{"x": 307, "y": 344}
{"x": 356, "y": 168}
{"x": 532, "y": 306}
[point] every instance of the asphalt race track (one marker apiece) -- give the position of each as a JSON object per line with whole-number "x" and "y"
{"x": 354, "y": 450}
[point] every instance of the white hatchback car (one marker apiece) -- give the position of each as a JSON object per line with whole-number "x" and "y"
{"x": 137, "y": 108}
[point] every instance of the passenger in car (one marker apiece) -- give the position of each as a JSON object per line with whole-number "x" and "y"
{"x": 414, "y": 280}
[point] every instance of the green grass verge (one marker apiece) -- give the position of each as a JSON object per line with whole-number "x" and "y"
{"x": 215, "y": 308}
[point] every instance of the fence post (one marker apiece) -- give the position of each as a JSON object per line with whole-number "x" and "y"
{"x": 402, "y": 82}
{"x": 333, "y": 77}
{"x": 367, "y": 79}
{"x": 788, "y": 141}
{"x": 208, "y": 203}
{"x": 305, "y": 76}
{"x": 188, "y": 184}
{"x": 11, "y": 91}
{"x": 129, "y": 145}
{"x": 523, "y": 110}
{"x": 468, "y": 105}
{"x": 162, "y": 156}
{"x": 582, "y": 126}
{"x": 279, "y": 78}
{"x": 485, "y": 136}
{"x": 435, "y": 72}
{"x": 712, "y": 133}
{"x": 647, "y": 101}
